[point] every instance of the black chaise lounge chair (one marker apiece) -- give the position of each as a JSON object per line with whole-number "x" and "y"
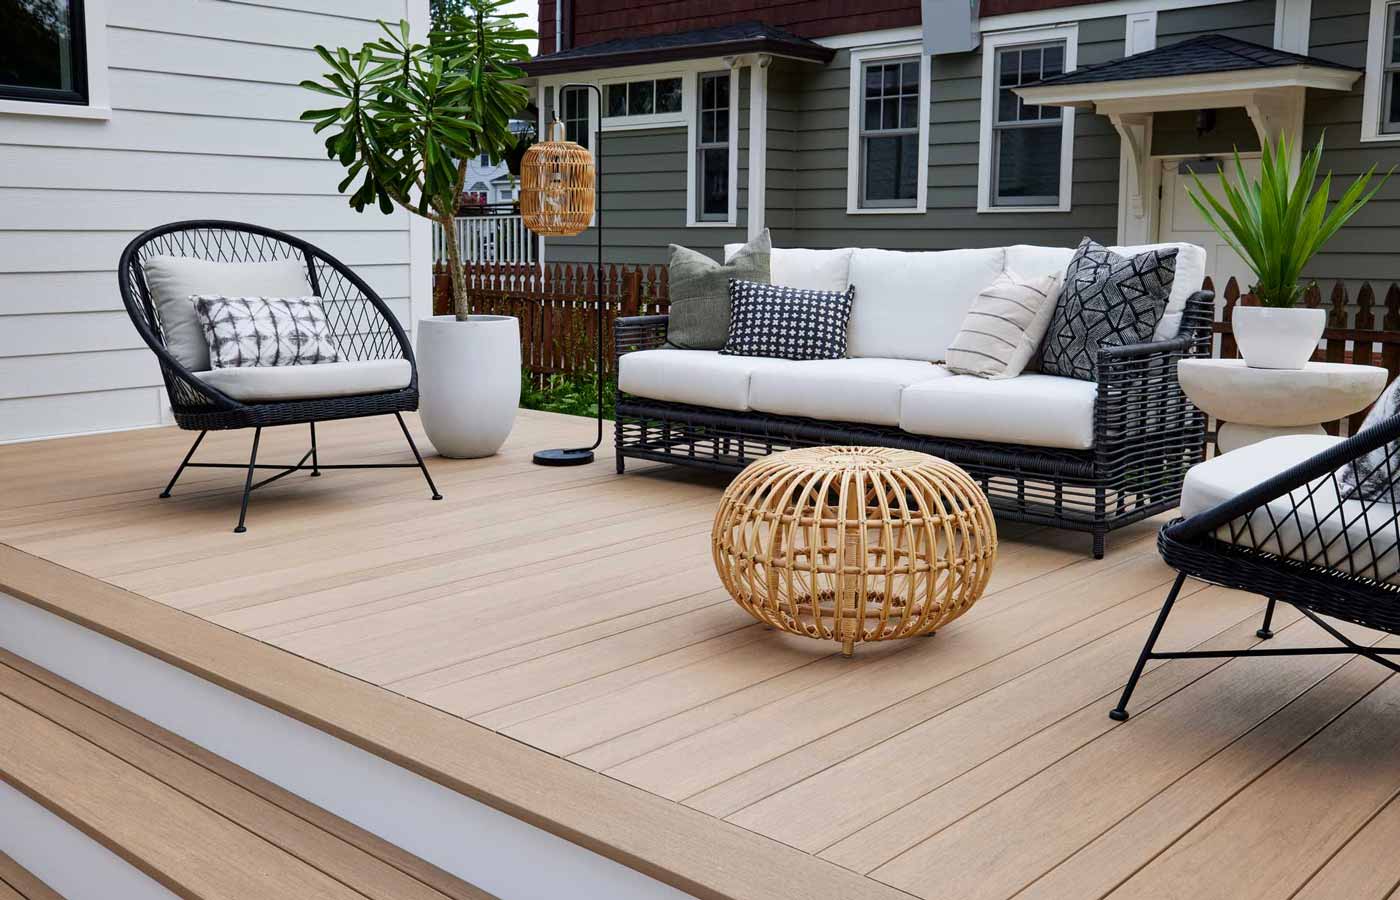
{"x": 1276, "y": 519}
{"x": 362, "y": 325}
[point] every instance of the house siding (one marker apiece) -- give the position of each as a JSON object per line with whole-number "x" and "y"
{"x": 203, "y": 125}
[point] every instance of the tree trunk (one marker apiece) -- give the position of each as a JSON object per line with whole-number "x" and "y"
{"x": 456, "y": 275}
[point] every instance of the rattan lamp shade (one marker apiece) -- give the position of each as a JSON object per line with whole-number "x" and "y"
{"x": 854, "y": 544}
{"x": 556, "y": 186}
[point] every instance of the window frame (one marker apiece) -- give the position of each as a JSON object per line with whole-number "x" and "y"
{"x": 860, "y": 57}
{"x": 701, "y": 145}
{"x": 992, "y": 45}
{"x": 866, "y": 133}
{"x": 651, "y": 120}
{"x": 1376, "y": 91}
{"x": 90, "y": 70}
{"x": 586, "y": 119}
{"x": 690, "y": 103}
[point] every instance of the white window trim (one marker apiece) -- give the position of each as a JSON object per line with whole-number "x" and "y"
{"x": 691, "y": 102}
{"x": 655, "y": 120}
{"x": 99, "y": 105}
{"x": 859, "y": 57}
{"x": 990, "y": 44}
{"x": 1375, "y": 75}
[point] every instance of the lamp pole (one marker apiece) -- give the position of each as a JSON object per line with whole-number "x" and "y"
{"x": 579, "y": 456}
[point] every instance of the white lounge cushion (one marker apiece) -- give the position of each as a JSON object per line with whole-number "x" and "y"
{"x": 866, "y": 391}
{"x": 911, "y": 305}
{"x": 698, "y": 377}
{"x": 1039, "y": 410}
{"x": 174, "y": 280}
{"x": 1223, "y": 477}
{"x": 808, "y": 270}
{"x": 270, "y": 384}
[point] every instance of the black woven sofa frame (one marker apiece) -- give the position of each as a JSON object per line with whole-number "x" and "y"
{"x": 1147, "y": 434}
{"x": 1273, "y": 540}
{"x": 362, "y": 325}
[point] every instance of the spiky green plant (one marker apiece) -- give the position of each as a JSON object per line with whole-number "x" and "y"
{"x": 1277, "y": 223}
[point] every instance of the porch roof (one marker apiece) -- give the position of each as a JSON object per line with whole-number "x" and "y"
{"x": 727, "y": 40}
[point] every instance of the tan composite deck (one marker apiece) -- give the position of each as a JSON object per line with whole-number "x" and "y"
{"x": 579, "y": 613}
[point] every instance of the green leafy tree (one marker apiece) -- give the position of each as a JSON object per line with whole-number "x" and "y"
{"x": 409, "y": 115}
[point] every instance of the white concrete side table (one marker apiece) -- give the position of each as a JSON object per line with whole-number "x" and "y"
{"x": 1254, "y": 404}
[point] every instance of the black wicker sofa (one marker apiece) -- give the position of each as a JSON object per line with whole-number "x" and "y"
{"x": 1145, "y": 434}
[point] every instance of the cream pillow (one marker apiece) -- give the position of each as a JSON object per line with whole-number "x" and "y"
{"x": 1005, "y": 326}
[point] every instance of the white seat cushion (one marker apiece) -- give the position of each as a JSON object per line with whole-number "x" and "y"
{"x": 1217, "y": 480}
{"x": 808, "y": 270}
{"x": 911, "y": 305}
{"x": 841, "y": 390}
{"x": 1039, "y": 410}
{"x": 698, "y": 377}
{"x": 270, "y": 384}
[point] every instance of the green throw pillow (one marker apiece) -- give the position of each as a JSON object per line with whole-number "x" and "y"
{"x": 700, "y": 292}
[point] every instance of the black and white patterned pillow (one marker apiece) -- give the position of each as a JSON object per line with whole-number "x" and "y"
{"x": 265, "y": 331}
{"x": 1376, "y": 475}
{"x": 787, "y": 323}
{"x": 1107, "y": 301}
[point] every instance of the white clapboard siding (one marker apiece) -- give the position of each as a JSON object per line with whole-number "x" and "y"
{"x": 204, "y": 125}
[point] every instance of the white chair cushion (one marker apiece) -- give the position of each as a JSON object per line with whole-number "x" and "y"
{"x": 911, "y": 305}
{"x": 1039, "y": 410}
{"x": 841, "y": 390}
{"x": 1217, "y": 480}
{"x": 698, "y": 377}
{"x": 173, "y": 280}
{"x": 808, "y": 270}
{"x": 271, "y": 384}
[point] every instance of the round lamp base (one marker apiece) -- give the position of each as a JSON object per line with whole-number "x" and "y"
{"x": 563, "y": 457}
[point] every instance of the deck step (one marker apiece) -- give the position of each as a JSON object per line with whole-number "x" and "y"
{"x": 193, "y": 821}
{"x": 18, "y": 883}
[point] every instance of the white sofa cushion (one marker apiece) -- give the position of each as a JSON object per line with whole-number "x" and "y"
{"x": 270, "y": 384}
{"x": 866, "y": 390}
{"x": 1229, "y": 474}
{"x": 911, "y": 305}
{"x": 1039, "y": 410}
{"x": 173, "y": 280}
{"x": 698, "y": 377}
{"x": 808, "y": 270}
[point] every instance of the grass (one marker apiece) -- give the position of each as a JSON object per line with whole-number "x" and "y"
{"x": 574, "y": 395}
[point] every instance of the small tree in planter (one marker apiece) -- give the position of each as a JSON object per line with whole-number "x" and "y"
{"x": 408, "y": 115}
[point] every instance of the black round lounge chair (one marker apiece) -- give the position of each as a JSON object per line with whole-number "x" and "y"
{"x": 360, "y": 322}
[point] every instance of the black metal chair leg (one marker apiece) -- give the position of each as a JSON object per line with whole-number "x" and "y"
{"x": 1266, "y": 632}
{"x": 418, "y": 456}
{"x": 1120, "y": 712}
{"x": 183, "y": 463}
{"x": 248, "y": 484}
{"x": 315, "y": 460}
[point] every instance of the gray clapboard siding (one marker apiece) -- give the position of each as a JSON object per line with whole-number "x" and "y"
{"x": 204, "y": 125}
{"x": 1250, "y": 20}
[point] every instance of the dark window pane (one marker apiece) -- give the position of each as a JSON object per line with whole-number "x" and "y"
{"x": 1006, "y": 105}
{"x": 39, "y": 49}
{"x": 1054, "y": 62}
{"x": 707, "y": 128}
{"x": 1394, "y": 115}
{"x": 889, "y": 114}
{"x": 617, "y": 99}
{"x": 575, "y": 118}
{"x": 668, "y": 95}
{"x": 1050, "y": 112}
{"x": 1028, "y": 165}
{"x": 1030, "y": 65}
{"x": 872, "y": 115}
{"x": 1010, "y": 64}
{"x": 872, "y": 81}
{"x": 707, "y": 92}
{"x": 639, "y": 98}
{"x": 891, "y": 168}
{"x": 909, "y": 77}
{"x": 714, "y": 183}
{"x": 721, "y": 90}
{"x": 722, "y": 125}
{"x": 1394, "y": 23}
{"x": 889, "y": 77}
{"x": 909, "y": 112}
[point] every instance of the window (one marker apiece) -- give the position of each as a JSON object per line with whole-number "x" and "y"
{"x": 1026, "y": 151}
{"x": 889, "y": 133}
{"x": 43, "y": 52}
{"x": 712, "y": 148}
{"x": 659, "y": 96}
{"x": 1390, "y": 107}
{"x": 1026, "y": 138}
{"x": 1381, "y": 103}
{"x": 574, "y": 115}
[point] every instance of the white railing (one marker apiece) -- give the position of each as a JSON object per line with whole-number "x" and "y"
{"x": 488, "y": 239}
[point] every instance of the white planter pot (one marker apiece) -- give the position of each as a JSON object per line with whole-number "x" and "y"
{"x": 1274, "y": 338}
{"x": 468, "y": 382}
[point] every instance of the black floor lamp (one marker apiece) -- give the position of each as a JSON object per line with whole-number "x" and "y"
{"x": 561, "y": 190}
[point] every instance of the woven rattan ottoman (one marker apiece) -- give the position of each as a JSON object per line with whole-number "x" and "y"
{"x": 853, "y": 544}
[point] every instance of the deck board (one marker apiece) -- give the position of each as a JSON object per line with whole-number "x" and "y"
{"x": 578, "y": 613}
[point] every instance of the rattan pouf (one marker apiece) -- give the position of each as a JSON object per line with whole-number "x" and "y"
{"x": 854, "y": 544}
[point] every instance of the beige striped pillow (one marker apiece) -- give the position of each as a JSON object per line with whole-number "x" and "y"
{"x": 1005, "y": 326}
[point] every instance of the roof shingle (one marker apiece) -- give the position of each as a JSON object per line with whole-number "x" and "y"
{"x": 1195, "y": 56}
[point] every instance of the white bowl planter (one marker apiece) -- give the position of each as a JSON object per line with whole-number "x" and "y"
{"x": 468, "y": 382}
{"x": 1277, "y": 338}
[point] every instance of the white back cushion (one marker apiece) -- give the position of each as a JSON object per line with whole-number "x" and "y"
{"x": 174, "y": 280}
{"x": 807, "y": 270}
{"x": 910, "y": 305}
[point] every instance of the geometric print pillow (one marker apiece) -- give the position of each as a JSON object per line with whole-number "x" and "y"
{"x": 787, "y": 323}
{"x": 265, "y": 331}
{"x": 1107, "y": 301}
{"x": 1376, "y": 475}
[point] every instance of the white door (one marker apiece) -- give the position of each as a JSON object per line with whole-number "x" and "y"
{"x": 1181, "y": 221}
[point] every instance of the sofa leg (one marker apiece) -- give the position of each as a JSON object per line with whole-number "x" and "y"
{"x": 620, "y": 462}
{"x": 1120, "y": 712}
{"x": 1100, "y": 539}
{"x": 1266, "y": 632}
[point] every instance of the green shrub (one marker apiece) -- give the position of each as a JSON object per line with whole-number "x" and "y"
{"x": 574, "y": 395}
